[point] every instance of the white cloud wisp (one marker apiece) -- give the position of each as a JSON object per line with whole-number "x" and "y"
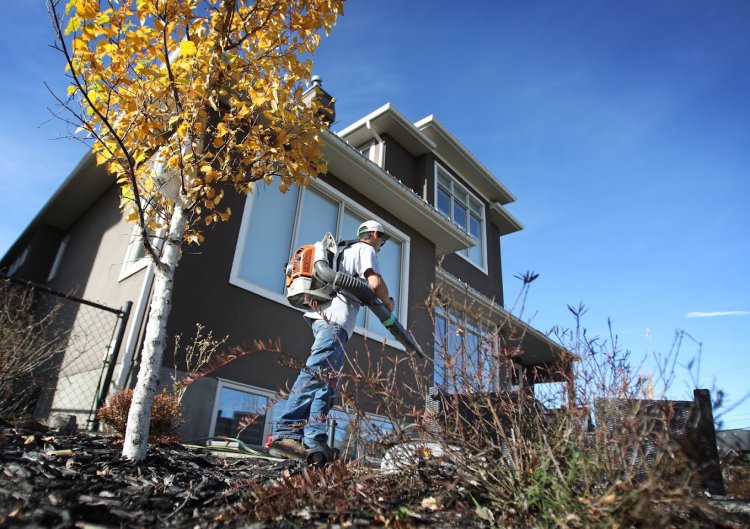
{"x": 717, "y": 314}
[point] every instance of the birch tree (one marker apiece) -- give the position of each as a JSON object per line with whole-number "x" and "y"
{"x": 184, "y": 101}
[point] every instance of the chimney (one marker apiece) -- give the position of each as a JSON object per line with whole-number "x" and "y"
{"x": 327, "y": 102}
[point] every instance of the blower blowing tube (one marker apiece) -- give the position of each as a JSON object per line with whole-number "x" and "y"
{"x": 362, "y": 291}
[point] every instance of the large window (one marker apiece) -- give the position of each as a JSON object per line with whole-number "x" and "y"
{"x": 237, "y": 407}
{"x": 135, "y": 255}
{"x": 359, "y": 436}
{"x": 458, "y": 204}
{"x": 275, "y": 224}
{"x": 466, "y": 354}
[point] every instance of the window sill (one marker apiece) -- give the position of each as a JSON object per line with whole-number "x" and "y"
{"x": 131, "y": 268}
{"x": 482, "y": 268}
{"x": 386, "y": 340}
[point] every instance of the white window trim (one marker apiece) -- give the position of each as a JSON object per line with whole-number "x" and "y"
{"x": 403, "y": 302}
{"x": 376, "y": 152}
{"x": 439, "y": 167}
{"x": 19, "y": 261}
{"x": 131, "y": 265}
{"x": 231, "y": 384}
{"x": 58, "y": 259}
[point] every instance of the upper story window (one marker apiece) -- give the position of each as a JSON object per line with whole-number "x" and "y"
{"x": 58, "y": 258}
{"x": 18, "y": 262}
{"x": 458, "y": 204}
{"x": 135, "y": 254}
{"x": 275, "y": 224}
{"x": 373, "y": 151}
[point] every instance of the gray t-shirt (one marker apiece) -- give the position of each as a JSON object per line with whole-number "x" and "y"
{"x": 355, "y": 260}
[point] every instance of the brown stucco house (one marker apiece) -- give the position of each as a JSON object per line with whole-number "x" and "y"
{"x": 445, "y": 213}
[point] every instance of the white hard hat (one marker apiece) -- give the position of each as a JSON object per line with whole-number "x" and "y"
{"x": 370, "y": 226}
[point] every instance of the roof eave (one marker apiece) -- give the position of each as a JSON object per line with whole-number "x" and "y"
{"x": 85, "y": 184}
{"x": 461, "y": 158}
{"x": 505, "y": 222}
{"x": 388, "y": 120}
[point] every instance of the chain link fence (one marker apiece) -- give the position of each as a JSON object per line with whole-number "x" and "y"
{"x": 81, "y": 341}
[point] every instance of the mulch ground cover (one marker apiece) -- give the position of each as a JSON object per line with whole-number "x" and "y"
{"x": 80, "y": 480}
{"x": 49, "y": 480}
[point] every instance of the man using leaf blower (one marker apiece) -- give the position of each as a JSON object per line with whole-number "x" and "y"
{"x": 301, "y": 431}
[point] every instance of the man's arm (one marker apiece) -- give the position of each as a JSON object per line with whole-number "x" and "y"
{"x": 377, "y": 283}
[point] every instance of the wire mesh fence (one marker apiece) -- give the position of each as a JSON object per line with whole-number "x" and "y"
{"x": 69, "y": 347}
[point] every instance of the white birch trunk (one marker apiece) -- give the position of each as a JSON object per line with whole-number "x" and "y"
{"x": 139, "y": 417}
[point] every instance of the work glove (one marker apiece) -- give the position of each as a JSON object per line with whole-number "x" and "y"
{"x": 390, "y": 321}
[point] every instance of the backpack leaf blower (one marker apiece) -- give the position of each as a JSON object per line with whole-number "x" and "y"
{"x": 310, "y": 277}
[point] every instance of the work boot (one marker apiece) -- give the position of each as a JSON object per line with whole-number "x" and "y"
{"x": 288, "y": 449}
{"x": 321, "y": 455}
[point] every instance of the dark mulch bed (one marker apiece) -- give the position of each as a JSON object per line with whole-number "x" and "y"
{"x": 77, "y": 481}
{"x": 57, "y": 481}
{"x": 67, "y": 481}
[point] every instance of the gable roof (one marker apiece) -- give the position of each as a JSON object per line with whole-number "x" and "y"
{"x": 366, "y": 177}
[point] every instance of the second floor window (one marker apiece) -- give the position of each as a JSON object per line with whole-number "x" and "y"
{"x": 458, "y": 204}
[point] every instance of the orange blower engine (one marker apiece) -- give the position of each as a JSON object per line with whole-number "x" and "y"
{"x": 303, "y": 288}
{"x": 312, "y": 277}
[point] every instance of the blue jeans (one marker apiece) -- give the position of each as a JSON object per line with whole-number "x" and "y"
{"x": 313, "y": 392}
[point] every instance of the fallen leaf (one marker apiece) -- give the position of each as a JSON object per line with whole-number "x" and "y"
{"x": 431, "y": 504}
{"x": 62, "y": 453}
{"x": 485, "y": 514}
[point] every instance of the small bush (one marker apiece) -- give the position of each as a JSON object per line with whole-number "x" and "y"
{"x": 166, "y": 415}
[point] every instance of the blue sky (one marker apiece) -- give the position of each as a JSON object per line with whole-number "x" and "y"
{"x": 623, "y": 129}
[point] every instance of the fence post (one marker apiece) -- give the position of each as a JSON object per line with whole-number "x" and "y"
{"x": 710, "y": 472}
{"x": 111, "y": 361}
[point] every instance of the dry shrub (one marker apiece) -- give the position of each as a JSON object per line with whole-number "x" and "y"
{"x": 736, "y": 469}
{"x": 166, "y": 415}
{"x": 29, "y": 347}
{"x": 597, "y": 450}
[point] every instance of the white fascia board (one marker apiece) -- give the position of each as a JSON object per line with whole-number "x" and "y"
{"x": 502, "y": 218}
{"x": 352, "y": 168}
{"x": 463, "y": 162}
{"x": 387, "y": 119}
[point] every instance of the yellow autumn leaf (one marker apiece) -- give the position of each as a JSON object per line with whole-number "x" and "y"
{"x": 187, "y": 48}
